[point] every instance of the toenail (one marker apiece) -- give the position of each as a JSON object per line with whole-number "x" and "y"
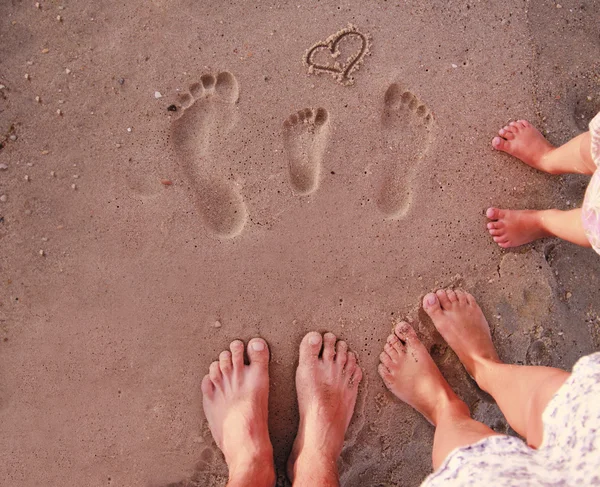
{"x": 258, "y": 346}
{"x": 314, "y": 340}
{"x": 431, "y": 299}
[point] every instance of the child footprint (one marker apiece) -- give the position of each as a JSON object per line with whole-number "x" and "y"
{"x": 200, "y": 140}
{"x": 305, "y": 135}
{"x": 406, "y": 136}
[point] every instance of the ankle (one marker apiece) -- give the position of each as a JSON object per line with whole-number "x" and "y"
{"x": 544, "y": 161}
{"x": 449, "y": 405}
{"x": 483, "y": 372}
{"x": 258, "y": 471}
{"x": 315, "y": 468}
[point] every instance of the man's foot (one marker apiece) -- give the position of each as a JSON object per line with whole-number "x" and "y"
{"x": 235, "y": 400}
{"x": 525, "y": 142}
{"x": 511, "y": 228}
{"x": 327, "y": 384}
{"x": 411, "y": 375}
{"x": 460, "y": 321}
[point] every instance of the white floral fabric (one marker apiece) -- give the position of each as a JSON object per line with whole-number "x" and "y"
{"x": 591, "y": 204}
{"x": 569, "y": 455}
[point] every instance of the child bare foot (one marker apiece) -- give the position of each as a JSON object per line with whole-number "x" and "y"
{"x": 525, "y": 142}
{"x": 235, "y": 400}
{"x": 327, "y": 384}
{"x": 511, "y": 228}
{"x": 460, "y": 321}
{"x": 411, "y": 375}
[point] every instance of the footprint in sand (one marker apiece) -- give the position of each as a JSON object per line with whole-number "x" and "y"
{"x": 406, "y": 136}
{"x": 305, "y": 135}
{"x": 200, "y": 140}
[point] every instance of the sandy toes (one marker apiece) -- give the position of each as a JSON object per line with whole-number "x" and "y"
{"x": 327, "y": 381}
{"x": 460, "y": 321}
{"x": 235, "y": 400}
{"x": 410, "y": 373}
{"x": 523, "y": 141}
{"x": 511, "y": 228}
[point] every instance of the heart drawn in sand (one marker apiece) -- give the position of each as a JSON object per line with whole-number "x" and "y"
{"x": 331, "y": 47}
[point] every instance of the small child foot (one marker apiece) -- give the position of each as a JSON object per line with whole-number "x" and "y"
{"x": 460, "y": 321}
{"x": 327, "y": 381}
{"x": 523, "y": 141}
{"x": 410, "y": 373}
{"x": 235, "y": 400}
{"x": 511, "y": 228}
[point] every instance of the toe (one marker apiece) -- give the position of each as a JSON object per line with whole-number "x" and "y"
{"x": 258, "y": 352}
{"x": 525, "y": 123}
{"x": 208, "y": 81}
{"x": 470, "y": 299}
{"x": 431, "y": 305}
{"x": 225, "y": 363}
{"x": 350, "y": 366}
{"x": 496, "y": 233}
{"x": 394, "y": 343}
{"x": 495, "y": 225}
{"x": 310, "y": 347}
{"x": 462, "y": 296}
{"x": 443, "y": 298}
{"x": 329, "y": 346}
{"x": 384, "y": 372}
{"x": 321, "y": 116}
{"x": 356, "y": 377}
{"x": 237, "y": 354}
{"x": 516, "y": 127}
{"x": 451, "y": 295}
{"x": 214, "y": 372}
{"x": 226, "y": 86}
{"x": 386, "y": 360}
{"x": 341, "y": 352}
{"x": 406, "y": 333}
{"x": 207, "y": 387}
{"x": 501, "y": 239}
{"x": 196, "y": 90}
{"x": 495, "y": 213}
{"x": 499, "y": 143}
{"x": 505, "y": 245}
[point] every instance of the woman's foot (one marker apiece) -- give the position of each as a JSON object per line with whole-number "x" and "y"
{"x": 525, "y": 142}
{"x": 460, "y": 321}
{"x": 511, "y": 228}
{"x": 235, "y": 400}
{"x": 411, "y": 375}
{"x": 327, "y": 385}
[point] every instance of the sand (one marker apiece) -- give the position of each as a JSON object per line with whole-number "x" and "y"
{"x": 137, "y": 241}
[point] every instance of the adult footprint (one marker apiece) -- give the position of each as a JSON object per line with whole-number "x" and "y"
{"x": 406, "y": 136}
{"x": 200, "y": 140}
{"x": 305, "y": 135}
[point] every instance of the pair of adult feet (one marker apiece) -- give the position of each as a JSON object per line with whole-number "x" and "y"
{"x": 235, "y": 394}
{"x": 512, "y": 228}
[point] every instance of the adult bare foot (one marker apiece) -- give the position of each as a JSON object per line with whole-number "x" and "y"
{"x": 235, "y": 400}
{"x": 460, "y": 321}
{"x": 411, "y": 375}
{"x": 511, "y": 228}
{"x": 327, "y": 381}
{"x": 525, "y": 142}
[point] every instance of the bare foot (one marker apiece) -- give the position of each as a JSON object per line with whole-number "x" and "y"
{"x": 525, "y": 142}
{"x": 327, "y": 384}
{"x": 411, "y": 375}
{"x": 235, "y": 400}
{"x": 460, "y": 321}
{"x": 511, "y": 228}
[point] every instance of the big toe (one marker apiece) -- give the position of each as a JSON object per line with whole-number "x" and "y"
{"x": 406, "y": 333}
{"x": 258, "y": 352}
{"x": 431, "y": 305}
{"x": 494, "y": 213}
{"x": 310, "y": 347}
{"x": 499, "y": 143}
